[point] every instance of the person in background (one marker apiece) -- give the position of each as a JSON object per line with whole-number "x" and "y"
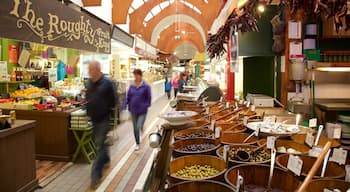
{"x": 175, "y": 84}
{"x": 168, "y": 87}
{"x": 181, "y": 82}
{"x": 138, "y": 100}
{"x": 101, "y": 100}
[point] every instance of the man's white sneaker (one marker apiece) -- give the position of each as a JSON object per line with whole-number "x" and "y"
{"x": 137, "y": 148}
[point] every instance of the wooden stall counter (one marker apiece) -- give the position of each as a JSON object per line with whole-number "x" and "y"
{"x": 53, "y": 139}
{"x": 17, "y": 157}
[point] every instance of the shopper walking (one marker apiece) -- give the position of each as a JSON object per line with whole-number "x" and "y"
{"x": 101, "y": 96}
{"x": 167, "y": 87}
{"x": 138, "y": 101}
{"x": 175, "y": 84}
{"x": 181, "y": 82}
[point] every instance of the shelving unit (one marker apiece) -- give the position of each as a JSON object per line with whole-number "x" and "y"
{"x": 10, "y": 83}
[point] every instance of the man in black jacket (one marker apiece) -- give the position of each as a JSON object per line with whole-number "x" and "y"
{"x": 101, "y": 96}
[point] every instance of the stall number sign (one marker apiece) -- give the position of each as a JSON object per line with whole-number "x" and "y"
{"x": 295, "y": 164}
{"x": 225, "y": 154}
{"x": 217, "y": 132}
{"x": 313, "y": 122}
{"x": 309, "y": 140}
{"x": 271, "y": 140}
{"x": 339, "y": 156}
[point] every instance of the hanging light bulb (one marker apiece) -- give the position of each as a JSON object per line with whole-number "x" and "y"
{"x": 261, "y": 8}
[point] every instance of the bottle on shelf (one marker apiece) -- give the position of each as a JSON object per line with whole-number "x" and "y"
{"x": 13, "y": 75}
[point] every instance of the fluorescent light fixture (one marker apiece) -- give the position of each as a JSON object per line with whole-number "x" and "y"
{"x": 334, "y": 69}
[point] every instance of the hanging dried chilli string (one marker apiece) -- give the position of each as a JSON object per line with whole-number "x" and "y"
{"x": 243, "y": 20}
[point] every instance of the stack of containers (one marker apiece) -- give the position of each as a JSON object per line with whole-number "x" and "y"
{"x": 79, "y": 119}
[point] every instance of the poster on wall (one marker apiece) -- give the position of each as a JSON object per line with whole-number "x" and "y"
{"x": 234, "y": 53}
{"x": 13, "y": 53}
{"x": 3, "y": 71}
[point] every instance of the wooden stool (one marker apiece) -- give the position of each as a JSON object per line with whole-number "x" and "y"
{"x": 86, "y": 145}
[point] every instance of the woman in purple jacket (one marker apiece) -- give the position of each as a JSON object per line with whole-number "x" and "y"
{"x": 138, "y": 101}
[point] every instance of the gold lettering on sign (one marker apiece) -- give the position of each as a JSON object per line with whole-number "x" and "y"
{"x": 80, "y": 29}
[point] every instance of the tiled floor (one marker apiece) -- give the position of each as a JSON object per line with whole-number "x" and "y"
{"x": 128, "y": 168}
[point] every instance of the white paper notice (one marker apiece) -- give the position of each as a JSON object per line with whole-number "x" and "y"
{"x": 295, "y": 48}
{"x": 339, "y": 156}
{"x": 294, "y": 30}
{"x": 271, "y": 140}
{"x": 295, "y": 164}
{"x": 309, "y": 140}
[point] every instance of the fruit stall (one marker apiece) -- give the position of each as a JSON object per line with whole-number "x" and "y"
{"x": 233, "y": 146}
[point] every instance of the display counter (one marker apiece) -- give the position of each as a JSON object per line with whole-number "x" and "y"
{"x": 17, "y": 157}
{"x": 53, "y": 140}
{"x": 157, "y": 89}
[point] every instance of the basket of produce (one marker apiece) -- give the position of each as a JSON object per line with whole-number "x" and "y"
{"x": 287, "y": 146}
{"x": 231, "y": 138}
{"x": 200, "y": 186}
{"x": 255, "y": 178}
{"x": 193, "y": 133}
{"x": 247, "y": 154}
{"x": 330, "y": 184}
{"x": 300, "y": 138}
{"x": 333, "y": 170}
{"x": 196, "y": 168}
{"x": 203, "y": 146}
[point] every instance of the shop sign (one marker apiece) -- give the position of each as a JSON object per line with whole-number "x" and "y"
{"x": 122, "y": 37}
{"x": 54, "y": 23}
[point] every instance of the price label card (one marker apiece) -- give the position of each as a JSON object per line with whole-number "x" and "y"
{"x": 252, "y": 108}
{"x": 271, "y": 140}
{"x": 295, "y": 164}
{"x": 221, "y": 99}
{"x": 241, "y": 102}
{"x": 347, "y": 170}
{"x": 257, "y": 130}
{"x": 313, "y": 122}
{"x": 339, "y": 156}
{"x": 227, "y": 105}
{"x": 315, "y": 151}
{"x": 309, "y": 140}
{"x": 226, "y": 150}
{"x": 236, "y": 105}
{"x": 336, "y": 133}
{"x": 245, "y": 120}
{"x": 207, "y": 110}
{"x": 212, "y": 125}
{"x": 248, "y": 104}
{"x": 217, "y": 132}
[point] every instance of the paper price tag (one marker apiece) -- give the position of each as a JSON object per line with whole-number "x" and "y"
{"x": 248, "y": 104}
{"x": 252, "y": 108}
{"x": 339, "y": 156}
{"x": 313, "y": 122}
{"x": 227, "y": 105}
{"x": 245, "y": 120}
{"x": 217, "y": 132}
{"x": 336, "y": 133}
{"x": 207, "y": 110}
{"x": 295, "y": 164}
{"x": 347, "y": 170}
{"x": 221, "y": 99}
{"x": 309, "y": 140}
{"x": 236, "y": 105}
{"x": 241, "y": 102}
{"x": 315, "y": 151}
{"x": 212, "y": 125}
{"x": 257, "y": 130}
{"x": 271, "y": 140}
{"x": 225, "y": 154}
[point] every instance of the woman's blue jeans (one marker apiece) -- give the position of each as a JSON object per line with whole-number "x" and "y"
{"x": 138, "y": 122}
